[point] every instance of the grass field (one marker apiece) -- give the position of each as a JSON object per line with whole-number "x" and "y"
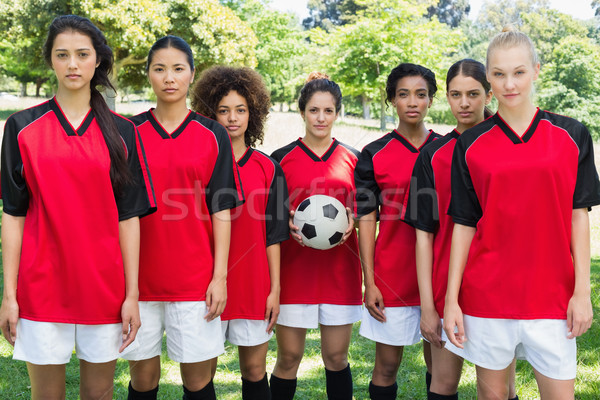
{"x": 282, "y": 129}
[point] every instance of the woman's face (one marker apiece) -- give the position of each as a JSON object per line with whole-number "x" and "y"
{"x": 170, "y": 75}
{"x": 319, "y": 115}
{"x": 412, "y": 99}
{"x": 73, "y": 60}
{"x": 233, "y": 114}
{"x": 511, "y": 73}
{"x": 467, "y": 99}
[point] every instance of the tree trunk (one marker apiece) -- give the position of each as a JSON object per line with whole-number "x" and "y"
{"x": 366, "y": 107}
{"x": 23, "y": 89}
{"x": 382, "y": 124}
{"x": 38, "y": 85}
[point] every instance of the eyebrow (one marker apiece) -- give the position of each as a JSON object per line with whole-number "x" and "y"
{"x": 81, "y": 49}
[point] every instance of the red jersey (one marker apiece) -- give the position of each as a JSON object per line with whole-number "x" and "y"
{"x": 428, "y": 201}
{"x": 260, "y": 222}
{"x": 311, "y": 276}
{"x": 382, "y": 178}
{"x": 58, "y": 178}
{"x": 194, "y": 176}
{"x": 520, "y": 192}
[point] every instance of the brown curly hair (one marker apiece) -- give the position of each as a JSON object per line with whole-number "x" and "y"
{"x": 216, "y": 82}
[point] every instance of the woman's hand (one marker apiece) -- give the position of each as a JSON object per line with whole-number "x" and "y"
{"x": 579, "y": 315}
{"x": 431, "y": 327}
{"x": 453, "y": 318}
{"x": 130, "y": 314}
{"x": 9, "y": 315}
{"x": 294, "y": 229}
{"x": 374, "y": 303}
{"x": 272, "y": 312}
{"x": 350, "y": 228}
{"x": 216, "y": 298}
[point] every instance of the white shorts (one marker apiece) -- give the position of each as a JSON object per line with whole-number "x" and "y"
{"x": 402, "y": 326}
{"x": 190, "y": 338}
{"x": 309, "y": 316}
{"x": 45, "y": 343}
{"x": 494, "y": 343}
{"x": 246, "y": 332}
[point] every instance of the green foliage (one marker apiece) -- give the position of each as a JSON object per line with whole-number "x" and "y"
{"x": 450, "y": 12}
{"x": 327, "y": 14}
{"x": 496, "y": 14}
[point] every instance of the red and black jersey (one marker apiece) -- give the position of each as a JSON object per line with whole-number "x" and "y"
{"x": 194, "y": 176}
{"x": 519, "y": 193}
{"x": 382, "y": 179}
{"x": 310, "y": 276}
{"x": 428, "y": 201}
{"x": 260, "y": 222}
{"x": 58, "y": 178}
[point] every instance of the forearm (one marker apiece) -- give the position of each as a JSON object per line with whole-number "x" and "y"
{"x": 221, "y": 224}
{"x": 580, "y": 249}
{"x": 12, "y": 240}
{"x": 424, "y": 258}
{"x": 462, "y": 236}
{"x": 367, "y": 225}
{"x": 129, "y": 241}
{"x": 274, "y": 260}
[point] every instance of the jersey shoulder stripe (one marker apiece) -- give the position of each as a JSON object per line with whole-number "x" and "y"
{"x": 279, "y": 154}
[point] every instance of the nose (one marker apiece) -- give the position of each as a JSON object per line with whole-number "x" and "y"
{"x": 321, "y": 116}
{"x": 464, "y": 103}
{"x": 232, "y": 116}
{"x": 72, "y": 62}
{"x": 412, "y": 101}
{"x": 169, "y": 76}
{"x": 509, "y": 82}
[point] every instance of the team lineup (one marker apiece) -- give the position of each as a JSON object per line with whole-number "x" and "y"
{"x": 178, "y": 226}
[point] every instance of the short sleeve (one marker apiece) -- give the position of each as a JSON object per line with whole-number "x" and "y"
{"x": 422, "y": 205}
{"x": 465, "y": 208}
{"x": 15, "y": 195}
{"x": 224, "y": 190}
{"x": 587, "y": 187}
{"x": 278, "y": 209}
{"x": 366, "y": 199}
{"x": 137, "y": 198}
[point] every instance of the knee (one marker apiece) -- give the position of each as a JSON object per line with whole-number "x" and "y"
{"x": 386, "y": 369}
{"x": 492, "y": 391}
{"x": 96, "y": 392}
{"x": 289, "y": 359}
{"x": 253, "y": 372}
{"x": 145, "y": 380}
{"x": 335, "y": 361}
{"x": 445, "y": 385}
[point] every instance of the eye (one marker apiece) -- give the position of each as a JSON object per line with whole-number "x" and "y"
{"x": 313, "y": 110}
{"x": 83, "y": 55}
{"x": 422, "y": 95}
{"x": 222, "y": 111}
{"x": 158, "y": 69}
{"x": 61, "y": 55}
{"x": 498, "y": 74}
{"x": 179, "y": 69}
{"x": 241, "y": 110}
{"x": 519, "y": 72}
{"x": 455, "y": 94}
{"x": 402, "y": 94}
{"x": 473, "y": 94}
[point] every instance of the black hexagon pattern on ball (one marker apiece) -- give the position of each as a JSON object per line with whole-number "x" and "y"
{"x": 335, "y": 238}
{"x": 309, "y": 231}
{"x": 329, "y": 211}
{"x": 304, "y": 204}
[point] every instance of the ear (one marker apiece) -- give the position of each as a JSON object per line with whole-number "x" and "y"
{"x": 302, "y": 115}
{"x": 192, "y": 77}
{"x": 430, "y": 102}
{"x": 536, "y": 71}
{"x": 488, "y": 97}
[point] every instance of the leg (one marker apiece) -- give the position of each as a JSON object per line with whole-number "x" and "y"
{"x": 145, "y": 374}
{"x": 446, "y": 371}
{"x": 512, "y": 390}
{"x": 290, "y": 350}
{"x": 492, "y": 384}
{"x": 554, "y": 389}
{"x": 47, "y": 381}
{"x": 387, "y": 362}
{"x": 335, "y": 341}
{"x": 253, "y": 365}
{"x": 427, "y": 359}
{"x": 196, "y": 376}
{"x": 213, "y": 367}
{"x": 96, "y": 380}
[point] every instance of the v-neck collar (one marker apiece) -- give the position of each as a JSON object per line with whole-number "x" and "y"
{"x": 162, "y": 131}
{"x": 313, "y": 155}
{"x": 408, "y": 144}
{"x": 64, "y": 122}
{"x": 454, "y": 134}
{"x": 245, "y": 157}
{"x": 510, "y": 133}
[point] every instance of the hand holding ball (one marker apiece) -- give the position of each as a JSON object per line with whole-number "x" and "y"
{"x": 322, "y": 221}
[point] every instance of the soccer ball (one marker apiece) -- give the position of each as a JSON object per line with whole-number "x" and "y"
{"x": 321, "y": 220}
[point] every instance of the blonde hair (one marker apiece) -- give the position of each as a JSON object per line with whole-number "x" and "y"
{"x": 508, "y": 38}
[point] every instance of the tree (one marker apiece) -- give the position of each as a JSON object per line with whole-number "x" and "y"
{"x": 450, "y": 12}
{"x": 327, "y": 14}
{"x": 496, "y": 14}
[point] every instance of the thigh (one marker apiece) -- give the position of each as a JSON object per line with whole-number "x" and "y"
{"x": 290, "y": 340}
{"x": 196, "y": 376}
{"x": 145, "y": 374}
{"x": 446, "y": 371}
{"x": 491, "y": 343}
{"x": 554, "y": 389}
{"x": 335, "y": 341}
{"x": 253, "y": 361}
{"x": 47, "y": 381}
{"x": 492, "y": 384}
{"x": 96, "y": 380}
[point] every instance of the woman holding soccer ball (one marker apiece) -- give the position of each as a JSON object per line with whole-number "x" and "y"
{"x": 519, "y": 274}
{"x": 392, "y": 313}
{"x": 238, "y": 99}
{"x": 319, "y": 288}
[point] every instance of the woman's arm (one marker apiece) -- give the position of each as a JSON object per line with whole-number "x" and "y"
{"x": 579, "y": 311}
{"x": 12, "y": 240}
{"x": 367, "y": 225}
{"x": 274, "y": 260}
{"x": 462, "y": 236}
{"x": 216, "y": 295}
{"x": 431, "y": 326}
{"x": 129, "y": 240}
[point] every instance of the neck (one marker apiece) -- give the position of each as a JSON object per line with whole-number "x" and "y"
{"x": 518, "y": 116}
{"x": 74, "y": 103}
{"x": 318, "y": 145}
{"x": 171, "y": 113}
{"x": 239, "y": 147}
{"x": 460, "y": 128}
{"x": 413, "y": 132}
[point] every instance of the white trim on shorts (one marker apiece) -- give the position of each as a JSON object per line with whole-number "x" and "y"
{"x": 493, "y": 343}
{"x": 402, "y": 326}
{"x": 246, "y": 332}
{"x": 190, "y": 338}
{"x": 309, "y": 316}
{"x": 51, "y": 343}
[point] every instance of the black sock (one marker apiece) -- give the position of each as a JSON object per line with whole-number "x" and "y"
{"x": 435, "y": 396}
{"x": 515, "y": 398}
{"x": 383, "y": 392}
{"x": 282, "y": 389}
{"x": 135, "y": 395}
{"x": 256, "y": 390}
{"x": 428, "y": 380}
{"x": 206, "y": 393}
{"x": 339, "y": 384}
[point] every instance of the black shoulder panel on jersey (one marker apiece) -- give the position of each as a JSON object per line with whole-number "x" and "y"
{"x": 283, "y": 151}
{"x": 352, "y": 149}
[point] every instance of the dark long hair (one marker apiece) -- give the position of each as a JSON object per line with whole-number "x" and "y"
{"x": 175, "y": 42}
{"x": 119, "y": 171}
{"x": 473, "y": 69}
{"x": 408, "y": 69}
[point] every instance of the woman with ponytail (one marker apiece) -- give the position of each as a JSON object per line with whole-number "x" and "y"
{"x": 74, "y": 184}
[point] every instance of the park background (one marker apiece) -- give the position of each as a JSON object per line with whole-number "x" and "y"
{"x": 356, "y": 42}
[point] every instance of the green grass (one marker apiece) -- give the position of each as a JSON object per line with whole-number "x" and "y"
{"x": 14, "y": 381}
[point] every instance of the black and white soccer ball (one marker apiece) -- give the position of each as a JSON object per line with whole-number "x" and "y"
{"x": 321, "y": 220}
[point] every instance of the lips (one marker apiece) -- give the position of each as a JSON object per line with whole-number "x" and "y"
{"x": 170, "y": 90}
